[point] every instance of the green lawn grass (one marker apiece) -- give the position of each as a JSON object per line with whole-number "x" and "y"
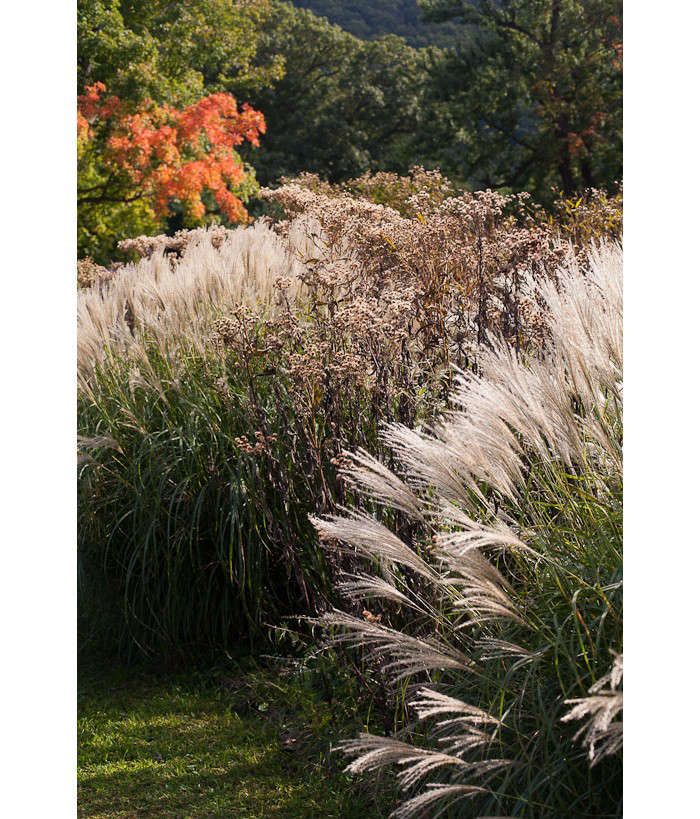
{"x": 246, "y": 743}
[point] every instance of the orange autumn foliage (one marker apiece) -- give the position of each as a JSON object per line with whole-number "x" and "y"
{"x": 168, "y": 154}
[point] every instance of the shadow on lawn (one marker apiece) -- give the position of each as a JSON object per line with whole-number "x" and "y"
{"x": 152, "y": 746}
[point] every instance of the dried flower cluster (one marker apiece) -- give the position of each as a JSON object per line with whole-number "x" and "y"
{"x": 383, "y": 188}
{"x": 437, "y": 280}
{"x": 91, "y": 274}
{"x": 145, "y": 246}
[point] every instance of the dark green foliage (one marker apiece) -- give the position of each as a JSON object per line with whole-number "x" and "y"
{"x": 343, "y": 107}
{"x": 534, "y": 100}
{"x": 528, "y": 99}
{"x": 195, "y": 542}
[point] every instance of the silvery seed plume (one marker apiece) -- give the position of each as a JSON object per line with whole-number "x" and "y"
{"x": 375, "y": 752}
{"x": 402, "y": 655}
{"x": 370, "y": 538}
{"x": 430, "y": 703}
{"x": 98, "y": 442}
{"x": 465, "y": 533}
{"x": 440, "y": 796}
{"x": 375, "y": 481}
{"x": 531, "y": 400}
{"x": 369, "y": 586}
{"x": 587, "y": 322}
{"x": 462, "y": 741}
{"x": 378, "y": 752}
{"x": 534, "y": 398}
{"x": 87, "y": 443}
{"x": 491, "y": 648}
{"x": 483, "y": 600}
{"x": 602, "y": 736}
{"x": 476, "y": 586}
{"x": 486, "y": 452}
{"x": 427, "y": 463}
{"x": 462, "y": 732}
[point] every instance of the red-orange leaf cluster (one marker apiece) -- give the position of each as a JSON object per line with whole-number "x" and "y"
{"x": 170, "y": 154}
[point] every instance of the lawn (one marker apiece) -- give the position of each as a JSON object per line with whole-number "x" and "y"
{"x": 243, "y": 741}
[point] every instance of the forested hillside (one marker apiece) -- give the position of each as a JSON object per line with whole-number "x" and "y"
{"x": 370, "y": 19}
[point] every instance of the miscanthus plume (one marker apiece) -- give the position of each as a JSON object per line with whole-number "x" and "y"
{"x": 162, "y": 299}
{"x": 504, "y": 605}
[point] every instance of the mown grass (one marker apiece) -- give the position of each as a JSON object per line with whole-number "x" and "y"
{"x": 241, "y": 741}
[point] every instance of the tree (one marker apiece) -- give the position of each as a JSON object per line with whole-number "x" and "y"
{"x": 371, "y": 19}
{"x": 162, "y": 62}
{"x": 173, "y": 51}
{"x": 343, "y": 106}
{"x": 138, "y": 164}
{"x": 534, "y": 99}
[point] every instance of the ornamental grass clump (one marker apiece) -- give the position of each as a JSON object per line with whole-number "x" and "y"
{"x": 223, "y": 374}
{"x": 501, "y": 608}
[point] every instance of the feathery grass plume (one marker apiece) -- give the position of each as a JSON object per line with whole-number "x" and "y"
{"x": 369, "y": 476}
{"x": 85, "y": 444}
{"x": 367, "y": 586}
{"x": 445, "y": 795}
{"x": 408, "y": 655}
{"x": 602, "y": 735}
{"x": 520, "y": 489}
{"x": 371, "y": 538}
{"x": 167, "y": 299}
{"x": 377, "y": 752}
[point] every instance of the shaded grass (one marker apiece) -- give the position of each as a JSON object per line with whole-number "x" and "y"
{"x": 242, "y": 741}
{"x": 185, "y": 542}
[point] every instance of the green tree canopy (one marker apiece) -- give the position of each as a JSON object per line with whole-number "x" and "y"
{"x": 344, "y": 105}
{"x": 371, "y": 19}
{"x": 534, "y": 98}
{"x": 173, "y": 51}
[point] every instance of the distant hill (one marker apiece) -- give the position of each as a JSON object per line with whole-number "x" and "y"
{"x": 370, "y": 19}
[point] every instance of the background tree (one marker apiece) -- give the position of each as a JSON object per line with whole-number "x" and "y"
{"x": 343, "y": 106}
{"x": 371, "y": 19}
{"x": 533, "y": 99}
{"x": 173, "y": 51}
